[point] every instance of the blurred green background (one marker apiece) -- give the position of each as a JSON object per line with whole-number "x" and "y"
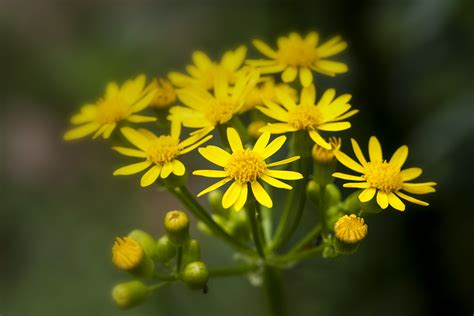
{"x": 411, "y": 74}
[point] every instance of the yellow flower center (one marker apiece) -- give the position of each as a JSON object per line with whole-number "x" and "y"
{"x": 296, "y": 52}
{"x": 163, "y": 149}
{"x": 323, "y": 155}
{"x": 111, "y": 110}
{"x": 350, "y": 229}
{"x": 126, "y": 253}
{"x": 383, "y": 176}
{"x": 304, "y": 116}
{"x": 220, "y": 111}
{"x": 245, "y": 166}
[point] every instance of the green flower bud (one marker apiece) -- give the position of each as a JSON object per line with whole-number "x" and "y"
{"x": 333, "y": 215}
{"x": 215, "y": 201}
{"x": 313, "y": 190}
{"x": 352, "y": 203}
{"x": 332, "y": 195}
{"x": 165, "y": 251}
{"x": 195, "y": 275}
{"x": 239, "y": 225}
{"x": 130, "y": 294}
{"x": 145, "y": 240}
{"x": 191, "y": 252}
{"x": 177, "y": 227}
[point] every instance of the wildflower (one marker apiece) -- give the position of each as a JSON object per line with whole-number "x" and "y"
{"x": 127, "y": 254}
{"x": 246, "y": 167}
{"x": 204, "y": 71}
{"x": 206, "y": 110}
{"x": 350, "y": 229}
{"x": 118, "y": 104}
{"x": 383, "y": 178}
{"x": 323, "y": 155}
{"x": 160, "y": 152}
{"x": 297, "y": 55}
{"x": 165, "y": 94}
{"x": 327, "y": 115}
{"x": 266, "y": 91}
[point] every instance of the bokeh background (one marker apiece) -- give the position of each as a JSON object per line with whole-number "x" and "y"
{"x": 412, "y": 75}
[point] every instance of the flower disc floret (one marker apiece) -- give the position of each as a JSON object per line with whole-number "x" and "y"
{"x": 246, "y": 166}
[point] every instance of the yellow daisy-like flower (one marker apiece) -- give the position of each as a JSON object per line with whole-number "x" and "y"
{"x": 246, "y": 167}
{"x": 350, "y": 229}
{"x": 204, "y": 71}
{"x": 160, "y": 152}
{"x": 266, "y": 91}
{"x": 327, "y": 115}
{"x": 382, "y": 178}
{"x": 300, "y": 55}
{"x": 206, "y": 110}
{"x": 165, "y": 94}
{"x": 127, "y": 254}
{"x": 118, "y": 104}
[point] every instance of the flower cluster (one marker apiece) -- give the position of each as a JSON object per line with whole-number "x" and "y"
{"x": 233, "y": 112}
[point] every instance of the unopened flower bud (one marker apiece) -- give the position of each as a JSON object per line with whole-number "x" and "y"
{"x": 177, "y": 227}
{"x": 191, "y": 252}
{"x": 128, "y": 255}
{"x": 313, "y": 189}
{"x": 165, "y": 94}
{"x": 254, "y": 129}
{"x": 165, "y": 251}
{"x": 332, "y": 195}
{"x": 350, "y": 230}
{"x": 325, "y": 162}
{"x": 130, "y": 294}
{"x": 215, "y": 201}
{"x": 145, "y": 240}
{"x": 195, "y": 275}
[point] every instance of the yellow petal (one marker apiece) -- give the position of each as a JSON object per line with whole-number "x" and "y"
{"x": 308, "y": 95}
{"x": 216, "y": 155}
{"x": 367, "y": 194}
{"x": 264, "y": 49}
{"x": 395, "y": 202}
{"x": 242, "y": 199}
{"x": 335, "y": 127}
{"x": 261, "y": 195}
{"x": 234, "y": 140}
{"x": 375, "y": 150}
{"x": 195, "y": 145}
{"x": 312, "y": 39}
{"x": 140, "y": 118}
{"x": 347, "y": 176}
{"x": 410, "y": 173}
{"x": 231, "y": 195}
{"x": 283, "y": 162}
{"x": 284, "y": 174}
{"x": 289, "y": 74}
{"x": 261, "y": 142}
{"x": 210, "y": 173}
{"x": 306, "y": 77}
{"x": 108, "y": 131}
{"x": 285, "y": 99}
{"x": 275, "y": 183}
{"x": 143, "y": 102}
{"x": 399, "y": 157}
{"x": 327, "y": 98}
{"x": 150, "y": 176}
{"x": 132, "y": 169}
{"x": 278, "y": 128}
{"x": 220, "y": 85}
{"x": 232, "y": 60}
{"x": 318, "y": 139}
{"x": 357, "y": 185}
{"x": 81, "y": 131}
{"x": 382, "y": 199}
{"x": 166, "y": 170}
{"x": 130, "y": 152}
{"x": 201, "y": 60}
{"x": 273, "y": 147}
{"x": 213, "y": 187}
{"x": 332, "y": 66}
{"x": 178, "y": 168}
{"x": 348, "y": 162}
{"x": 358, "y": 152}
{"x": 419, "y": 188}
{"x": 135, "y": 137}
{"x": 411, "y": 199}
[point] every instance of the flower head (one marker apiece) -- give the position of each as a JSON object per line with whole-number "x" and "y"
{"x": 244, "y": 167}
{"x": 323, "y": 155}
{"x": 381, "y": 178}
{"x": 127, "y": 253}
{"x": 350, "y": 229}
{"x": 295, "y": 54}
{"x": 204, "y": 71}
{"x": 266, "y": 90}
{"x": 327, "y": 115}
{"x": 165, "y": 94}
{"x": 160, "y": 152}
{"x": 118, "y": 104}
{"x": 206, "y": 110}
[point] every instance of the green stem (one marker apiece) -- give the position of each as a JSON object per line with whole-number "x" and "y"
{"x": 231, "y": 271}
{"x": 322, "y": 210}
{"x": 179, "y": 259}
{"x": 164, "y": 277}
{"x": 157, "y": 286}
{"x": 309, "y": 237}
{"x": 183, "y": 194}
{"x": 255, "y": 224}
{"x": 295, "y": 257}
{"x": 273, "y": 287}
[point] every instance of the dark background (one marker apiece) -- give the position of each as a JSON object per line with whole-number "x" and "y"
{"x": 411, "y": 74}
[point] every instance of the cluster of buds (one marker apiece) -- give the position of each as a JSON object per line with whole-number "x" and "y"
{"x": 175, "y": 256}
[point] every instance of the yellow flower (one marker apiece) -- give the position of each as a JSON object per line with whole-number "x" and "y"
{"x": 127, "y": 254}
{"x": 204, "y": 109}
{"x": 382, "y": 178}
{"x": 160, "y": 152}
{"x": 295, "y": 54}
{"x": 204, "y": 71}
{"x": 323, "y": 155}
{"x": 254, "y": 128}
{"x": 165, "y": 94}
{"x": 266, "y": 91}
{"x": 326, "y": 115}
{"x": 350, "y": 229}
{"x": 118, "y": 104}
{"x": 246, "y": 167}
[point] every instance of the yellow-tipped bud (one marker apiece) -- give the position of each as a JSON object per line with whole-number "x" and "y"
{"x": 323, "y": 155}
{"x": 254, "y": 129}
{"x": 177, "y": 227}
{"x": 350, "y": 229}
{"x": 165, "y": 94}
{"x": 130, "y": 294}
{"x": 127, "y": 254}
{"x": 195, "y": 275}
